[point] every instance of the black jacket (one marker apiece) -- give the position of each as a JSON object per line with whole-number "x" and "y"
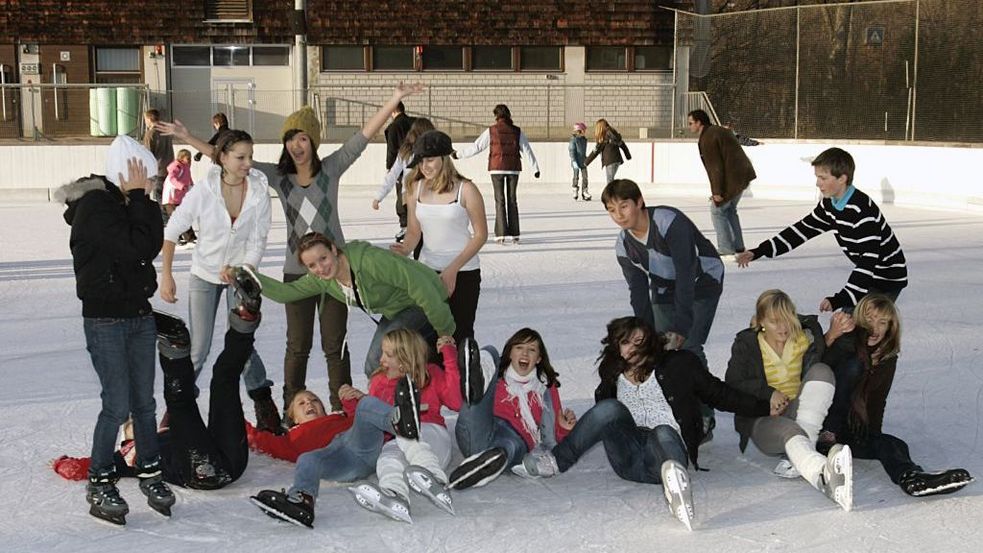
{"x": 114, "y": 241}
{"x": 746, "y": 368}
{"x": 214, "y": 139}
{"x": 395, "y": 134}
{"x": 843, "y": 351}
{"x": 609, "y": 150}
{"x": 686, "y": 384}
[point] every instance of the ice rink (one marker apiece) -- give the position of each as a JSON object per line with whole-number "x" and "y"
{"x": 564, "y": 281}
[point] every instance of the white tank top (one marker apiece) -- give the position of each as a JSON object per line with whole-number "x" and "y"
{"x": 446, "y": 231}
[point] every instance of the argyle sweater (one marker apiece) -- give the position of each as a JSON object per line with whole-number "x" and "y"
{"x": 313, "y": 208}
{"x": 864, "y": 236}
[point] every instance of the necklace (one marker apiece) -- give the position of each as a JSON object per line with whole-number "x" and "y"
{"x": 231, "y": 185}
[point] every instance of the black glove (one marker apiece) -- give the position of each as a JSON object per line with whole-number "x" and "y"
{"x": 198, "y": 156}
{"x": 627, "y": 156}
{"x": 536, "y": 174}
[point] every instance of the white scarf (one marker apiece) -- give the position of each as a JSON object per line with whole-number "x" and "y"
{"x": 520, "y": 388}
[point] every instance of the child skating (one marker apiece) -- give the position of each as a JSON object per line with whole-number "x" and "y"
{"x": 578, "y": 161}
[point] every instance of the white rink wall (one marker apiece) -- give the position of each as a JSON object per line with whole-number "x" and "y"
{"x": 944, "y": 177}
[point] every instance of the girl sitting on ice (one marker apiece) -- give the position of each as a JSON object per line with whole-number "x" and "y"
{"x": 512, "y": 406}
{"x": 778, "y": 360}
{"x": 647, "y": 413}
{"x": 864, "y": 360}
{"x": 419, "y": 453}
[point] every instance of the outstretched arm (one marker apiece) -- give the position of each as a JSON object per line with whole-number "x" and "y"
{"x": 179, "y": 131}
{"x": 379, "y": 119}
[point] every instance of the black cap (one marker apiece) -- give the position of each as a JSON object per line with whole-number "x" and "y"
{"x": 431, "y": 144}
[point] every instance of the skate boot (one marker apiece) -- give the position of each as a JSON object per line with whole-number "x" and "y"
{"x": 836, "y": 480}
{"x": 247, "y": 290}
{"x": 173, "y": 338}
{"x": 103, "y": 496}
{"x": 405, "y": 417}
{"x": 476, "y": 373}
{"x": 675, "y": 484}
{"x": 585, "y": 195}
{"x": 576, "y": 192}
{"x": 479, "y": 469}
{"x": 423, "y": 482}
{"x": 267, "y": 414}
{"x": 386, "y": 503}
{"x": 401, "y": 235}
{"x": 296, "y": 508}
{"x": 159, "y": 495}
{"x": 918, "y": 483}
{"x": 537, "y": 464}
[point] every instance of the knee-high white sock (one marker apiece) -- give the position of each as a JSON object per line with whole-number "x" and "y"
{"x": 389, "y": 468}
{"x": 804, "y": 457}
{"x": 814, "y": 401}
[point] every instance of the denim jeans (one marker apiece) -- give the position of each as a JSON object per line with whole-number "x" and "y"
{"x": 611, "y": 170}
{"x": 122, "y": 352}
{"x": 704, "y": 310}
{"x": 891, "y": 451}
{"x": 350, "y": 456}
{"x": 580, "y": 174}
{"x": 506, "y": 205}
{"x": 727, "y": 225}
{"x": 203, "y": 300}
{"x": 635, "y": 453}
{"x": 412, "y": 318}
{"x": 478, "y": 429}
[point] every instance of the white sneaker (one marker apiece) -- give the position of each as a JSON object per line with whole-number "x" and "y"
{"x": 675, "y": 484}
{"x": 836, "y": 480}
{"x": 784, "y": 469}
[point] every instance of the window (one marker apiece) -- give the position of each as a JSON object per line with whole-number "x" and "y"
{"x": 653, "y": 58}
{"x": 342, "y": 58}
{"x": 117, "y": 65}
{"x": 271, "y": 55}
{"x": 491, "y": 58}
{"x": 393, "y": 58}
{"x": 230, "y": 55}
{"x": 607, "y": 58}
{"x": 443, "y": 58}
{"x": 540, "y": 58}
{"x": 191, "y": 55}
{"x": 228, "y": 10}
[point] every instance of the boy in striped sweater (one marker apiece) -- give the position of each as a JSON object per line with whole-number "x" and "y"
{"x": 859, "y": 227}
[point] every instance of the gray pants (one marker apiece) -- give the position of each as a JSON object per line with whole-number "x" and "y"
{"x": 770, "y": 434}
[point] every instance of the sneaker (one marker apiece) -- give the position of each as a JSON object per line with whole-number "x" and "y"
{"x": 476, "y": 373}
{"x": 784, "y": 469}
{"x": 918, "y": 483}
{"x": 479, "y": 469}
{"x": 159, "y": 495}
{"x": 106, "y": 502}
{"x": 267, "y": 414}
{"x": 401, "y": 234}
{"x": 675, "y": 484}
{"x": 296, "y": 508}
{"x": 836, "y": 480}
{"x": 248, "y": 293}
{"x": 386, "y": 503}
{"x": 537, "y": 464}
{"x": 423, "y": 482}
{"x": 406, "y": 410}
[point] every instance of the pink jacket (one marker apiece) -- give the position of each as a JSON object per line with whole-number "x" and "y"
{"x": 508, "y": 409}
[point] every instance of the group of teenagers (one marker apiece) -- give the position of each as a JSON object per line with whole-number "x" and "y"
{"x": 816, "y": 398}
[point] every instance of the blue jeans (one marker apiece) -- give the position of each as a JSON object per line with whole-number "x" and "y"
{"x": 350, "y": 456}
{"x": 727, "y": 225}
{"x": 704, "y": 310}
{"x": 122, "y": 352}
{"x": 412, "y": 318}
{"x": 635, "y": 453}
{"x": 203, "y": 300}
{"x": 478, "y": 429}
{"x": 611, "y": 170}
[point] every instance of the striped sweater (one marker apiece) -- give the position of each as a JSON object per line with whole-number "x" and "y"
{"x": 864, "y": 236}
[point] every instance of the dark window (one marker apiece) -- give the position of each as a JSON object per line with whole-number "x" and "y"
{"x": 118, "y": 59}
{"x": 491, "y": 58}
{"x": 653, "y": 58}
{"x": 443, "y": 58}
{"x": 540, "y": 58}
{"x": 607, "y": 58}
{"x": 230, "y": 55}
{"x": 392, "y": 58}
{"x": 234, "y": 10}
{"x": 342, "y": 58}
{"x": 271, "y": 55}
{"x": 191, "y": 55}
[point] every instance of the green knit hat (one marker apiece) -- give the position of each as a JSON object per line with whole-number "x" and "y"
{"x": 304, "y": 119}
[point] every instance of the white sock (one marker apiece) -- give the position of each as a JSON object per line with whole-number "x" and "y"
{"x": 804, "y": 457}
{"x": 814, "y": 401}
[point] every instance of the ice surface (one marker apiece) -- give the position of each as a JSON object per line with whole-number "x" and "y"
{"x": 562, "y": 280}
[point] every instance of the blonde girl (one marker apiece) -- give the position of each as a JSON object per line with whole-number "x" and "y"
{"x": 609, "y": 147}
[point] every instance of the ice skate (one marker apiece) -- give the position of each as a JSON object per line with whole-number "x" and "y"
{"x": 537, "y": 464}
{"x": 476, "y": 373}
{"x": 371, "y": 497}
{"x": 296, "y": 508}
{"x": 585, "y": 195}
{"x": 248, "y": 291}
{"x": 106, "y": 503}
{"x": 422, "y": 481}
{"x": 479, "y": 469}
{"x": 172, "y": 333}
{"x": 406, "y": 413}
{"x": 159, "y": 495}
{"x": 836, "y": 480}
{"x": 919, "y": 484}
{"x": 576, "y": 192}
{"x": 675, "y": 484}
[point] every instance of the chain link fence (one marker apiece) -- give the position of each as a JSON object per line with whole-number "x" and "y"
{"x": 887, "y": 70}
{"x": 50, "y": 111}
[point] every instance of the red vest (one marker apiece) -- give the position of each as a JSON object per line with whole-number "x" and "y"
{"x": 504, "y": 143}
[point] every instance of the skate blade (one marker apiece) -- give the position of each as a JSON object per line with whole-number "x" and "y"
{"x": 276, "y": 514}
{"x": 845, "y": 499}
{"x": 114, "y": 520}
{"x": 375, "y": 505}
{"x": 520, "y": 470}
{"x": 438, "y": 495}
{"x": 945, "y": 489}
{"x": 166, "y": 511}
{"x": 678, "y": 495}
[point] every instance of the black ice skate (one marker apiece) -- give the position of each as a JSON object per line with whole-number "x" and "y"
{"x": 479, "y": 469}
{"x": 247, "y": 290}
{"x": 106, "y": 503}
{"x": 919, "y": 484}
{"x": 172, "y": 334}
{"x": 406, "y": 414}
{"x": 159, "y": 495}
{"x": 472, "y": 379}
{"x": 296, "y": 509}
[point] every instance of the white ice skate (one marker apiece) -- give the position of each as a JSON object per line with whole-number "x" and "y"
{"x": 836, "y": 480}
{"x": 423, "y": 482}
{"x": 675, "y": 484}
{"x": 386, "y": 503}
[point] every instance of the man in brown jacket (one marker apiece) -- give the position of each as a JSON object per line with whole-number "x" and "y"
{"x": 730, "y": 171}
